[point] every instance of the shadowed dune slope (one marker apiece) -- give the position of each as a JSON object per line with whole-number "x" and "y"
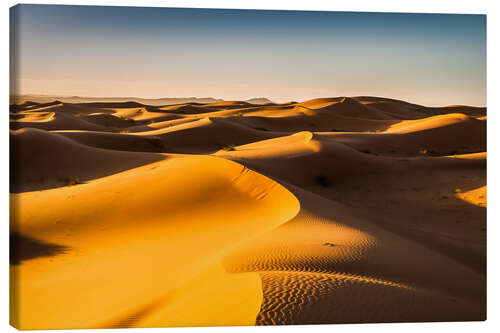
{"x": 398, "y": 110}
{"x": 185, "y": 109}
{"x": 115, "y": 141}
{"x": 66, "y": 108}
{"x": 437, "y": 135}
{"x": 347, "y": 263}
{"x": 305, "y": 159}
{"x": 354, "y": 109}
{"x": 41, "y": 160}
{"x": 316, "y": 121}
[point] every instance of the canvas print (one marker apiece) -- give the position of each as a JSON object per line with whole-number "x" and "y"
{"x": 210, "y": 167}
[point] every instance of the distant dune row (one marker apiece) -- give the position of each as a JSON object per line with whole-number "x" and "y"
{"x": 331, "y": 210}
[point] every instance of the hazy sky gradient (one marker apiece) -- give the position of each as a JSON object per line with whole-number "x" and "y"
{"x": 238, "y": 54}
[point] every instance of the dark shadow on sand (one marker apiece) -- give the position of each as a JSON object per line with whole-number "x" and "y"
{"x": 25, "y": 248}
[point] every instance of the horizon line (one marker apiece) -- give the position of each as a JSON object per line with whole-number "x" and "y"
{"x": 236, "y": 100}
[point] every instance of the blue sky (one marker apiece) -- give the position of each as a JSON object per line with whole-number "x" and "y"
{"x": 430, "y": 59}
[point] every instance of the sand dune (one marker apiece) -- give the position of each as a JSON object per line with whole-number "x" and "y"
{"x": 355, "y": 109}
{"x": 331, "y": 210}
{"x": 342, "y": 259}
{"x": 398, "y": 110}
{"x": 185, "y": 108}
{"x": 306, "y": 159}
{"x": 435, "y": 136}
{"x": 148, "y": 239}
{"x": 116, "y": 141}
{"x": 312, "y": 120}
{"x": 56, "y": 106}
{"x": 42, "y": 160}
{"x": 345, "y": 175}
{"x": 57, "y": 121}
{"x": 205, "y": 135}
{"x": 143, "y": 114}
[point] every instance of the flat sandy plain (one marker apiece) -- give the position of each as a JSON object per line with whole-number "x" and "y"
{"x": 331, "y": 210}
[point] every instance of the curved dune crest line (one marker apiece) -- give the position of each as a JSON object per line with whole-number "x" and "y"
{"x": 408, "y": 126}
{"x": 138, "y": 258}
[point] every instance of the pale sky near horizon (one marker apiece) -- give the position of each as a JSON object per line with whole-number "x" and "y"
{"x": 430, "y": 59}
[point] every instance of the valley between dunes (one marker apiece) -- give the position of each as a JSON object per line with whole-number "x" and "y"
{"x": 331, "y": 210}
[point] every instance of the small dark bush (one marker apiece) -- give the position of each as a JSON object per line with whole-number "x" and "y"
{"x": 322, "y": 180}
{"x": 429, "y": 152}
{"x": 70, "y": 181}
{"x": 156, "y": 142}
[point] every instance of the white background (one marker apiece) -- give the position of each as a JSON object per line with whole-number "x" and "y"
{"x": 491, "y": 8}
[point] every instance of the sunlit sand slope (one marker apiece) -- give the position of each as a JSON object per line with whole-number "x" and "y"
{"x": 142, "y": 247}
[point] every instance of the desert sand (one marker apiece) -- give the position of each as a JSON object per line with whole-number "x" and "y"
{"x": 210, "y": 212}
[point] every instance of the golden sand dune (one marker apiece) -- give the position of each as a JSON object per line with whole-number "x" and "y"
{"x": 142, "y": 114}
{"x": 27, "y": 116}
{"x": 450, "y": 120}
{"x": 205, "y": 135}
{"x": 160, "y": 124}
{"x": 212, "y": 111}
{"x": 58, "y": 121}
{"x": 332, "y": 210}
{"x": 108, "y": 120}
{"x": 139, "y": 253}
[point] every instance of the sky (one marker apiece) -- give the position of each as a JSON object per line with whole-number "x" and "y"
{"x": 430, "y": 59}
